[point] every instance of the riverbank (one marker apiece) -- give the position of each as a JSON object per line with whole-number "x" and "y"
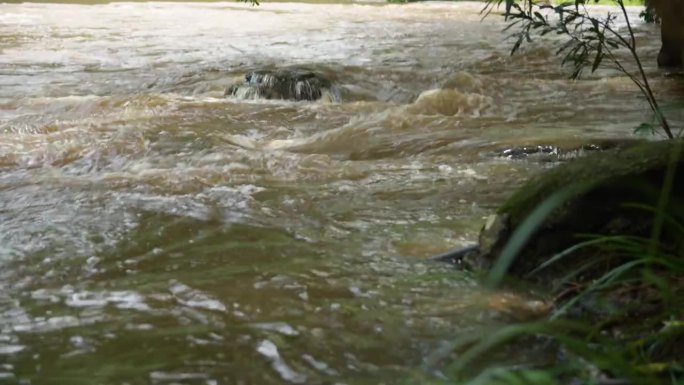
{"x": 604, "y": 235}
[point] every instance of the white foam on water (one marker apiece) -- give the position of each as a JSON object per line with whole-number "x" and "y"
{"x": 269, "y": 350}
{"x": 280, "y": 327}
{"x": 450, "y": 102}
{"x": 170, "y": 377}
{"x": 190, "y": 297}
{"x": 40, "y": 324}
{"x": 120, "y": 299}
{"x": 319, "y": 365}
{"x": 11, "y": 349}
{"x": 6, "y": 376}
{"x": 131, "y": 326}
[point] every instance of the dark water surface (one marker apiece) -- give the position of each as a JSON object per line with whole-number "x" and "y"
{"x": 153, "y": 231}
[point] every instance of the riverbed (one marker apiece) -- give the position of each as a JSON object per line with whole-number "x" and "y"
{"x": 154, "y": 231}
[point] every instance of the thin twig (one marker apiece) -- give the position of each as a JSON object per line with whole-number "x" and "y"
{"x": 657, "y": 110}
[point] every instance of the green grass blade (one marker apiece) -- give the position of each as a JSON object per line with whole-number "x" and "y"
{"x": 525, "y": 231}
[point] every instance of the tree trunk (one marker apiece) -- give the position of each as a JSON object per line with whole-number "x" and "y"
{"x": 671, "y": 14}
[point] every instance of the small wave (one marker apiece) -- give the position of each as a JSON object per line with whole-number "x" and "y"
{"x": 466, "y": 82}
{"x": 319, "y": 365}
{"x": 11, "y": 349}
{"x": 450, "y": 102}
{"x": 42, "y": 324}
{"x": 120, "y": 299}
{"x": 280, "y": 327}
{"x": 386, "y": 132}
{"x": 399, "y": 130}
{"x": 187, "y": 296}
{"x": 269, "y": 350}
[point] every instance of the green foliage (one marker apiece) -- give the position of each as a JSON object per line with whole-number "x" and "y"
{"x": 506, "y": 376}
{"x": 649, "y": 15}
{"x": 590, "y": 41}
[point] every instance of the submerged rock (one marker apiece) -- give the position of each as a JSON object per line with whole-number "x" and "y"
{"x": 285, "y": 84}
{"x": 460, "y": 256}
{"x": 588, "y": 195}
{"x": 544, "y": 152}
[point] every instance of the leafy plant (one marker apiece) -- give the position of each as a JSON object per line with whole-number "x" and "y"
{"x": 649, "y": 15}
{"x": 590, "y": 42}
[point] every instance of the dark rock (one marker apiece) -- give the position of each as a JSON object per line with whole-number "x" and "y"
{"x": 286, "y": 84}
{"x": 458, "y": 257}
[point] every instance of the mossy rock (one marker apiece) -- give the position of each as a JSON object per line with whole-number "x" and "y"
{"x": 596, "y": 188}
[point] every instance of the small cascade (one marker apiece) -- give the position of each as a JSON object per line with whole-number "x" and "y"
{"x": 285, "y": 84}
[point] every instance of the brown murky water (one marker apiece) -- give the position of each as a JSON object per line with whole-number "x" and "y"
{"x": 153, "y": 231}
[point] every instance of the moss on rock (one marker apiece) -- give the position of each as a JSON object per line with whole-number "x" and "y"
{"x": 600, "y": 184}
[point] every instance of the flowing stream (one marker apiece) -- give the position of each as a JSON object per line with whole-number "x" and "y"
{"x": 154, "y": 231}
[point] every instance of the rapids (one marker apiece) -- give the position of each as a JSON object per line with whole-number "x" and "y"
{"x": 154, "y": 231}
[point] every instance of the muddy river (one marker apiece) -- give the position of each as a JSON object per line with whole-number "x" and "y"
{"x": 154, "y": 231}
